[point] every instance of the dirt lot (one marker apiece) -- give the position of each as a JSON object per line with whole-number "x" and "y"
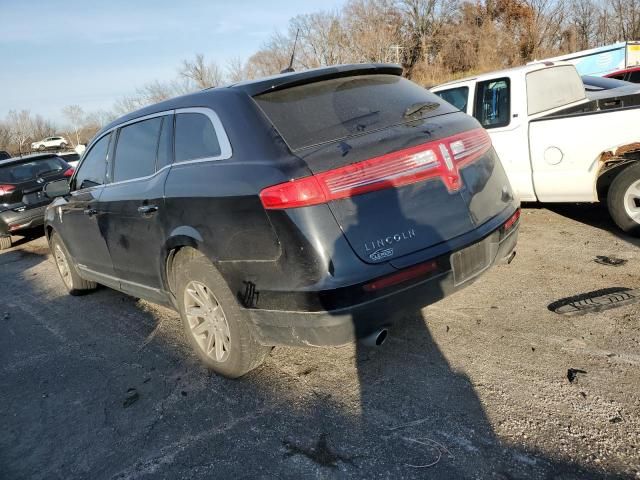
{"x": 104, "y": 386}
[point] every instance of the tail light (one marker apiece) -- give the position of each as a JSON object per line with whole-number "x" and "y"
{"x": 402, "y": 276}
{"x": 512, "y": 220}
{"x": 68, "y": 172}
{"x": 6, "y": 189}
{"x": 438, "y": 159}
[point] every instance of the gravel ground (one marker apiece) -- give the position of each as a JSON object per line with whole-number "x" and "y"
{"x": 475, "y": 386}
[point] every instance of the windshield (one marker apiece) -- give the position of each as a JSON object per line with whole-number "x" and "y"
{"x": 339, "y": 108}
{"x": 30, "y": 170}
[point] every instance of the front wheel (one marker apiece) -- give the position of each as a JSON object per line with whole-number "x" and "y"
{"x": 41, "y": 147}
{"x": 217, "y": 328}
{"x": 623, "y": 200}
{"x": 75, "y": 284}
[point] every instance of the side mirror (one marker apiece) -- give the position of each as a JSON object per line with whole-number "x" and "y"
{"x": 57, "y": 188}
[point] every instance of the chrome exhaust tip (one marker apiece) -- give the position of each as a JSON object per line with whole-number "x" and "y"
{"x": 375, "y": 339}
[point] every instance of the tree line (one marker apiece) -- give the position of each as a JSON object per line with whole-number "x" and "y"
{"x": 434, "y": 40}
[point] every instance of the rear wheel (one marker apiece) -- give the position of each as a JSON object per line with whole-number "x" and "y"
{"x": 217, "y": 328}
{"x": 63, "y": 146}
{"x": 623, "y": 200}
{"x": 5, "y": 242}
{"x": 75, "y": 284}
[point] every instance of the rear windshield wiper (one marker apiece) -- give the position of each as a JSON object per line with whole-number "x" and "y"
{"x": 420, "y": 107}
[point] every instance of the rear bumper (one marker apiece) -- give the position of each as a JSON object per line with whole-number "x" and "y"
{"x": 12, "y": 221}
{"x": 346, "y": 325}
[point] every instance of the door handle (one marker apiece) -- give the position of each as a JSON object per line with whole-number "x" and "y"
{"x": 90, "y": 211}
{"x": 147, "y": 209}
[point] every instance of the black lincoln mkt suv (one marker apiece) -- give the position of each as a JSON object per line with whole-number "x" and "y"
{"x": 305, "y": 209}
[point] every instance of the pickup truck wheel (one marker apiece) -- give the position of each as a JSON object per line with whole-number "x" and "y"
{"x": 5, "y": 242}
{"x": 217, "y": 328}
{"x": 623, "y": 200}
{"x": 75, "y": 284}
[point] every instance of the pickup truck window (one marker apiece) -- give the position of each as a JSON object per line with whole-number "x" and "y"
{"x": 458, "y": 97}
{"x": 552, "y": 88}
{"x": 493, "y": 104}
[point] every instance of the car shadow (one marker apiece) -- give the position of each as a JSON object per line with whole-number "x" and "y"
{"x": 592, "y": 214}
{"x": 104, "y": 386}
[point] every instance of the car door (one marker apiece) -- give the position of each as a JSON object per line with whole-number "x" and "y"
{"x": 81, "y": 224}
{"x": 133, "y": 202}
{"x": 504, "y": 117}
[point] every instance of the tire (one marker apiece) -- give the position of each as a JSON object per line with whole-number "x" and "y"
{"x": 229, "y": 340}
{"x": 62, "y": 146}
{"x": 5, "y": 242}
{"x": 623, "y": 200}
{"x": 41, "y": 147}
{"x": 75, "y": 284}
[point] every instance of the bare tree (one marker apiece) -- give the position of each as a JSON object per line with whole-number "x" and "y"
{"x": 584, "y": 21}
{"x": 42, "y": 127}
{"x": 5, "y": 136}
{"x": 75, "y": 115}
{"x": 236, "y": 70}
{"x": 201, "y": 73}
{"x": 20, "y": 126}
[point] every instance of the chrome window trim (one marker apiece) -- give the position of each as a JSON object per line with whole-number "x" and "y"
{"x": 226, "y": 151}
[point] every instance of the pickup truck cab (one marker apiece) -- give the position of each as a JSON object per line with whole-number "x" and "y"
{"x": 555, "y": 143}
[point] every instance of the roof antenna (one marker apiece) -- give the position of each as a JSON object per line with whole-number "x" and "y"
{"x": 290, "y": 69}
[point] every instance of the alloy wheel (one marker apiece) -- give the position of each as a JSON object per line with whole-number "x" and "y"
{"x": 632, "y": 201}
{"x": 63, "y": 266}
{"x": 207, "y": 321}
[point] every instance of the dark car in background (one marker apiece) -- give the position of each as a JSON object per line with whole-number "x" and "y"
{"x": 631, "y": 74}
{"x": 305, "y": 209}
{"x": 4, "y": 155}
{"x": 22, "y": 201}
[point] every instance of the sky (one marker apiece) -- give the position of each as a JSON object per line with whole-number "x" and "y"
{"x": 56, "y": 53}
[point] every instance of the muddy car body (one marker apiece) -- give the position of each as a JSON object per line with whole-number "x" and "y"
{"x": 310, "y": 208}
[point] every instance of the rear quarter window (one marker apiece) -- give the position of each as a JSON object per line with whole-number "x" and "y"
{"x": 458, "y": 97}
{"x": 195, "y": 137}
{"x": 336, "y": 109}
{"x": 552, "y": 88}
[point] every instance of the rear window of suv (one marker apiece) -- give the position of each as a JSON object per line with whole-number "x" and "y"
{"x": 340, "y": 108}
{"x": 30, "y": 170}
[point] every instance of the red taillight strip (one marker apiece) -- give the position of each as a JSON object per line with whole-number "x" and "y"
{"x": 512, "y": 220}
{"x": 402, "y": 276}
{"x": 5, "y": 189}
{"x": 441, "y": 158}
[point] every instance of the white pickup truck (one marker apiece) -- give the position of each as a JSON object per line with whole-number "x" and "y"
{"x": 556, "y": 145}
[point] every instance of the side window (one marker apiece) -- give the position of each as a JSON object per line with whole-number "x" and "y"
{"x": 620, "y": 76}
{"x": 135, "y": 154}
{"x": 165, "y": 146}
{"x": 94, "y": 166}
{"x": 458, "y": 97}
{"x": 195, "y": 137}
{"x": 492, "y": 104}
{"x": 634, "y": 77}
